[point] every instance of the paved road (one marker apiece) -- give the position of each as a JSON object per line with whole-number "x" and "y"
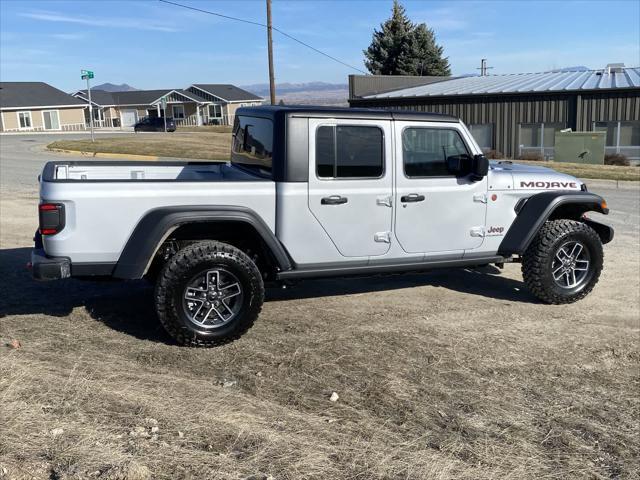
{"x": 23, "y": 156}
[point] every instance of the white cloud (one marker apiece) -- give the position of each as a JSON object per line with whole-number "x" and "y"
{"x": 67, "y": 36}
{"x": 138, "y": 24}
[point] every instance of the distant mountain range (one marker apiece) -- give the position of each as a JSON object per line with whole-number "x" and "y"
{"x": 286, "y": 88}
{"x": 316, "y": 93}
{"x": 112, "y": 87}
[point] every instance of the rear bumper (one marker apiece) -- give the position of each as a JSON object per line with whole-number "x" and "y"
{"x": 49, "y": 268}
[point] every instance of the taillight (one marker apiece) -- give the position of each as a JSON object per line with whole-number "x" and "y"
{"x": 51, "y": 218}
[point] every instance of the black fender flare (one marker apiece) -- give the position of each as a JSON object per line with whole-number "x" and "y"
{"x": 539, "y": 208}
{"x": 154, "y": 226}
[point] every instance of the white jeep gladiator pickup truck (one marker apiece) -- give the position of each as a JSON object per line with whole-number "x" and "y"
{"x": 313, "y": 192}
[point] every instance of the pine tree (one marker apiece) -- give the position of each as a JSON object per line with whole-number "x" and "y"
{"x": 389, "y": 44}
{"x": 402, "y": 48}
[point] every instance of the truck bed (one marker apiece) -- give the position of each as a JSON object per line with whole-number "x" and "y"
{"x": 140, "y": 171}
{"x": 104, "y": 201}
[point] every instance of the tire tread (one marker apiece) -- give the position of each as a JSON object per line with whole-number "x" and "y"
{"x": 170, "y": 276}
{"x": 536, "y": 257}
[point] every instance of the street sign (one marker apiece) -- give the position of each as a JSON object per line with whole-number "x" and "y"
{"x": 163, "y": 103}
{"x": 87, "y": 75}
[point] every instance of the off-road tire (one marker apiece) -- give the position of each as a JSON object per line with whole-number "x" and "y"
{"x": 173, "y": 280}
{"x": 538, "y": 258}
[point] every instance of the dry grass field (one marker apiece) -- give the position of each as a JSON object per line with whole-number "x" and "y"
{"x": 212, "y": 144}
{"x": 447, "y": 375}
{"x": 585, "y": 170}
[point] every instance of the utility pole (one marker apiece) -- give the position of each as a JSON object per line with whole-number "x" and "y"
{"x": 272, "y": 84}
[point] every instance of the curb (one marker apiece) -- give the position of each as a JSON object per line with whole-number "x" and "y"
{"x": 602, "y": 183}
{"x": 124, "y": 156}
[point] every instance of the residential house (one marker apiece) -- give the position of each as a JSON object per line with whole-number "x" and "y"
{"x": 37, "y": 106}
{"x": 193, "y": 106}
{"x": 115, "y": 109}
{"x": 224, "y": 100}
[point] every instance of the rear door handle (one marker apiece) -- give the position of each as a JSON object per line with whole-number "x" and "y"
{"x": 334, "y": 200}
{"x": 412, "y": 197}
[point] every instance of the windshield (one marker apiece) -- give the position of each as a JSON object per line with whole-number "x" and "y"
{"x": 252, "y": 144}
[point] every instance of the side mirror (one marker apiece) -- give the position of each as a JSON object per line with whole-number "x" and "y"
{"x": 479, "y": 166}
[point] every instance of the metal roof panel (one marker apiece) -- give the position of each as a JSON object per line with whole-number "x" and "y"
{"x": 522, "y": 83}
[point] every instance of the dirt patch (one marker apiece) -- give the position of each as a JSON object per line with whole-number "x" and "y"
{"x": 452, "y": 374}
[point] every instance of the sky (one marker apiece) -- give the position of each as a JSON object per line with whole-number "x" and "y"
{"x": 149, "y": 44}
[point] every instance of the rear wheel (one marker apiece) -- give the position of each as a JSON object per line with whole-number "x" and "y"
{"x": 209, "y": 293}
{"x": 564, "y": 261}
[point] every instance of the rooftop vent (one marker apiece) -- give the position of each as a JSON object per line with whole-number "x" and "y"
{"x": 614, "y": 68}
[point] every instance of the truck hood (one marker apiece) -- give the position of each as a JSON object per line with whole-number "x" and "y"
{"x": 532, "y": 177}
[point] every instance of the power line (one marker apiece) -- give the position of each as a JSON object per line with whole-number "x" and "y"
{"x": 228, "y": 17}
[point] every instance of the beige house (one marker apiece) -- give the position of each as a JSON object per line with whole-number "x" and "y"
{"x": 224, "y": 99}
{"x": 200, "y": 104}
{"x": 37, "y": 106}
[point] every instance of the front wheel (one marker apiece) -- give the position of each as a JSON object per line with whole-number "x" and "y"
{"x": 208, "y": 294}
{"x": 563, "y": 262}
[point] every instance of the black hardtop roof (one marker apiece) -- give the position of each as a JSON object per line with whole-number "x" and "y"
{"x": 272, "y": 111}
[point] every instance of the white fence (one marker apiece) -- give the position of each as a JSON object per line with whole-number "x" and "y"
{"x": 192, "y": 120}
{"x": 68, "y": 127}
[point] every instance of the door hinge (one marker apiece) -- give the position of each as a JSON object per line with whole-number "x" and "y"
{"x": 477, "y": 232}
{"x": 384, "y": 201}
{"x": 480, "y": 198}
{"x": 382, "y": 237}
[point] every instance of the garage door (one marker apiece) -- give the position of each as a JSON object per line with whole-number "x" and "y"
{"x": 129, "y": 118}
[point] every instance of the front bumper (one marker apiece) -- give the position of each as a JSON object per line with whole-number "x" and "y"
{"x": 49, "y": 268}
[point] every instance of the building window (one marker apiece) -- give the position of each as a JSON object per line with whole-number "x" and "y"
{"x": 178, "y": 111}
{"x": 425, "y": 151}
{"x": 483, "y": 135}
{"x": 215, "y": 111}
{"x": 349, "y": 152}
{"x": 539, "y": 138}
{"x": 51, "y": 120}
{"x": 621, "y": 137}
{"x": 25, "y": 119}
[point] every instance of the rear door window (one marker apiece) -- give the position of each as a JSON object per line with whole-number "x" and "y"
{"x": 346, "y": 151}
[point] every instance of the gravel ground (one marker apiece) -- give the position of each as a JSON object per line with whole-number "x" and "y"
{"x": 450, "y": 374}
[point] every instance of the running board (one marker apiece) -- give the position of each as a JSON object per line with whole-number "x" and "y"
{"x": 343, "y": 271}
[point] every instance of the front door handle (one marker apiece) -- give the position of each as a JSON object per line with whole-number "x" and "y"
{"x": 412, "y": 197}
{"x": 334, "y": 200}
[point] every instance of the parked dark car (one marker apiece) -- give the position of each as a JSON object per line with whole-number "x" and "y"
{"x": 154, "y": 124}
